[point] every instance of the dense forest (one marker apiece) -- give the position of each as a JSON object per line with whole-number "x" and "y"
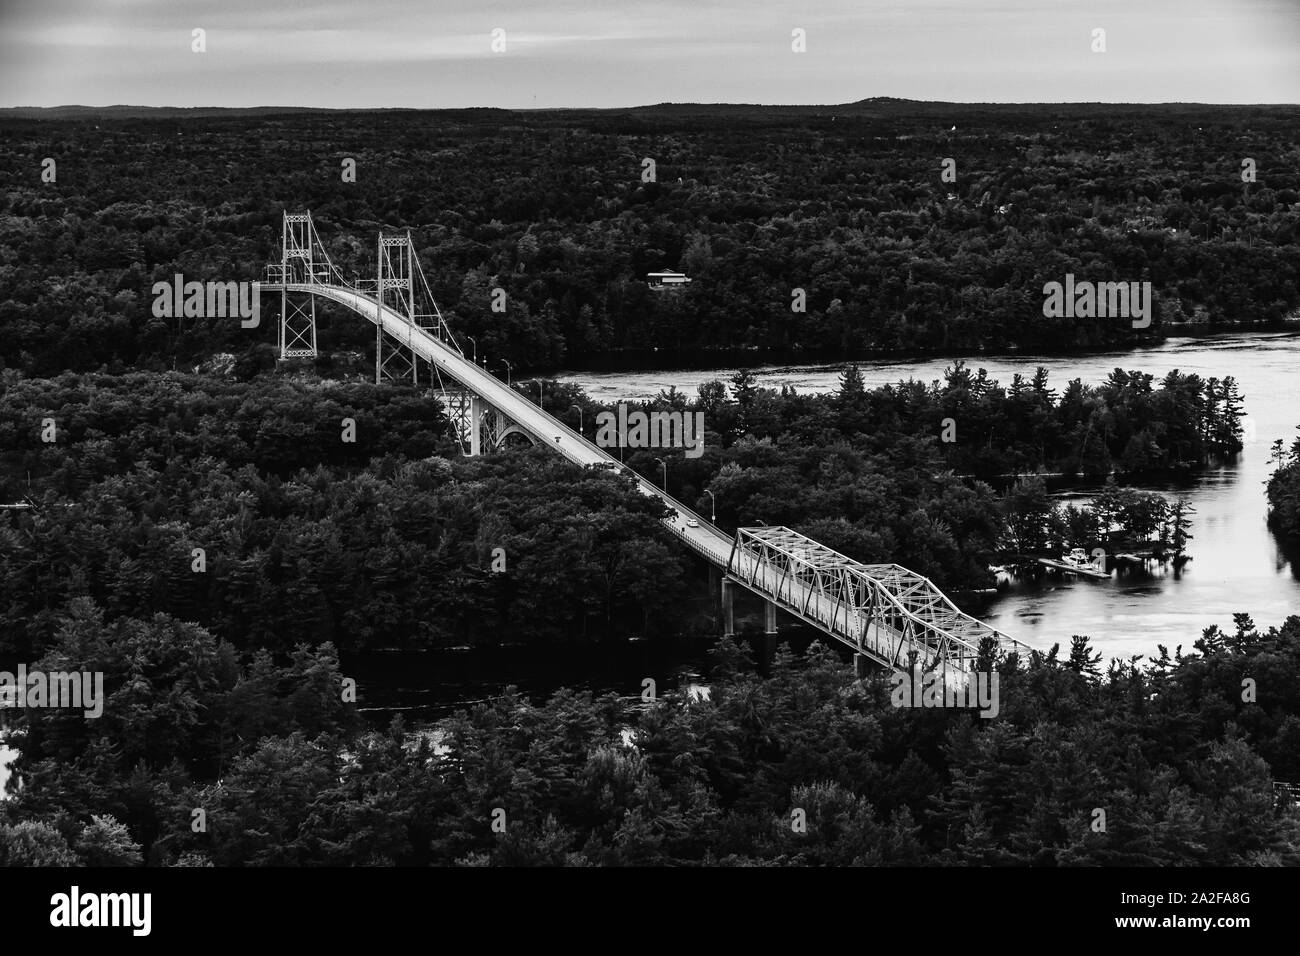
{"x": 305, "y": 536}
{"x": 290, "y": 509}
{"x": 204, "y": 759}
{"x": 226, "y": 739}
{"x": 848, "y": 204}
{"x": 215, "y": 533}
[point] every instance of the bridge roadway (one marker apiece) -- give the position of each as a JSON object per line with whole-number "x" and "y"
{"x": 796, "y": 597}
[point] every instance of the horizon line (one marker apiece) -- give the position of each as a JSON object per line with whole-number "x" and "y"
{"x": 641, "y": 106}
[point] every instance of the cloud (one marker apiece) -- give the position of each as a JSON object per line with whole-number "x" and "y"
{"x": 574, "y": 52}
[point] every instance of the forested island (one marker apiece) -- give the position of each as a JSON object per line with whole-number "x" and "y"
{"x": 307, "y": 537}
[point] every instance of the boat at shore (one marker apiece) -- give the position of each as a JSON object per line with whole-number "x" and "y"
{"x": 1078, "y": 562}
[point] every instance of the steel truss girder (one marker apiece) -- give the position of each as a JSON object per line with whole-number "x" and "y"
{"x": 882, "y": 610}
{"x": 459, "y": 407}
{"x": 479, "y": 426}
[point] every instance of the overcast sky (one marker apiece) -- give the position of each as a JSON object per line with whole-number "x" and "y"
{"x": 437, "y": 53}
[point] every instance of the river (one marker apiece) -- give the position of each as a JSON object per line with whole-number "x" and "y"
{"x": 1237, "y": 563}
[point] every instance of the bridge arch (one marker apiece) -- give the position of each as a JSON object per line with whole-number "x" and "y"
{"x": 514, "y": 430}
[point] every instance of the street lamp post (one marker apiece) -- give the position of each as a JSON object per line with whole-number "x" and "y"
{"x": 509, "y": 370}
{"x": 539, "y": 393}
{"x": 579, "y": 408}
{"x": 475, "y": 344}
{"x": 665, "y": 464}
{"x": 713, "y": 506}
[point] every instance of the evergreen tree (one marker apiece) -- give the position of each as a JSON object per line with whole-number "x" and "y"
{"x": 852, "y": 387}
{"x": 1179, "y": 521}
{"x": 1083, "y": 661}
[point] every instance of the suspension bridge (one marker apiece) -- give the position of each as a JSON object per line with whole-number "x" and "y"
{"x": 883, "y": 612}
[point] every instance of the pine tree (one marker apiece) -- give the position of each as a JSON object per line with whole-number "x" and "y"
{"x": 1210, "y": 423}
{"x": 745, "y": 386}
{"x": 1179, "y": 522}
{"x": 1083, "y": 660}
{"x": 1230, "y": 419}
{"x": 1039, "y": 384}
{"x": 852, "y": 386}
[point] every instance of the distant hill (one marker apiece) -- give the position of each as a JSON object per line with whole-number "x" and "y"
{"x": 876, "y": 106}
{"x": 156, "y": 112}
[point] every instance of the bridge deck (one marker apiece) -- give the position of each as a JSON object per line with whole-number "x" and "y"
{"x": 706, "y": 540}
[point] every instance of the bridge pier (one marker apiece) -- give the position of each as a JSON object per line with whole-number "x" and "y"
{"x": 767, "y": 649}
{"x": 475, "y": 426}
{"x": 728, "y": 608}
{"x": 715, "y": 592}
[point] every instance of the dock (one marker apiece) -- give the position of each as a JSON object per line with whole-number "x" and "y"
{"x": 1089, "y": 572}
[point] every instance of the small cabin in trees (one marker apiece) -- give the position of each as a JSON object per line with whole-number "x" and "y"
{"x": 666, "y": 280}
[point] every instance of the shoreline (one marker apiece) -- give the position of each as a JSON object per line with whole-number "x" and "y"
{"x": 648, "y": 361}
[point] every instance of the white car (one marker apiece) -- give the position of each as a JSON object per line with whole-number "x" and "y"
{"x": 692, "y": 523}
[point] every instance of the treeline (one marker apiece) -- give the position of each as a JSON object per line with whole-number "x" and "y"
{"x": 754, "y": 204}
{"x": 808, "y": 767}
{"x": 1122, "y": 424}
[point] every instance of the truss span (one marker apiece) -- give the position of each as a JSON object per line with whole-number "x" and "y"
{"x": 885, "y": 611}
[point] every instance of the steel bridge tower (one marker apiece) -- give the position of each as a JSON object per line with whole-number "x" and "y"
{"x": 395, "y": 288}
{"x": 297, "y": 338}
{"x": 399, "y": 288}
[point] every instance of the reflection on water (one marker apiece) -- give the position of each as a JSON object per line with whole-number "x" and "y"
{"x": 1237, "y": 564}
